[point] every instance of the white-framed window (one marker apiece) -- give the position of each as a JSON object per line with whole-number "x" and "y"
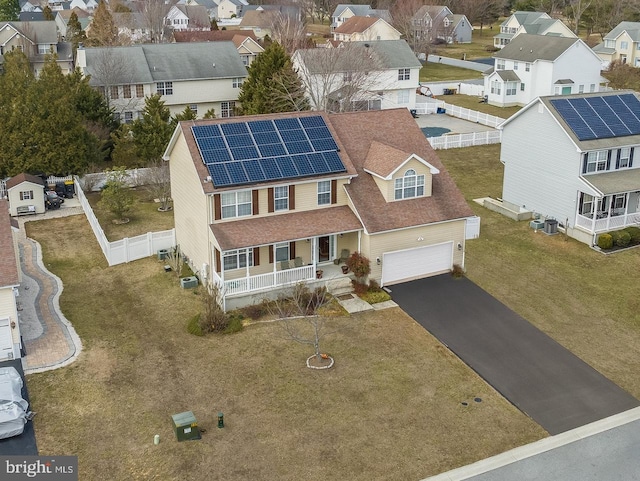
{"x": 128, "y": 117}
{"x": 610, "y": 44}
{"x": 282, "y": 251}
{"x": 496, "y": 87}
{"x": 324, "y": 192}
{"x": 522, "y": 87}
{"x": 126, "y": 91}
{"x": 515, "y": 65}
{"x": 527, "y": 67}
{"x": 237, "y": 259}
{"x": 165, "y": 88}
{"x": 511, "y": 88}
{"x": 26, "y": 195}
{"x": 586, "y": 204}
{"x": 44, "y": 48}
{"x": 404, "y": 74}
{"x": 592, "y": 88}
{"x": 625, "y": 157}
{"x": 500, "y": 64}
{"x": 235, "y": 204}
{"x": 245, "y": 60}
{"x": 410, "y": 185}
{"x": 194, "y": 108}
{"x": 114, "y": 93}
{"x": 281, "y": 197}
{"x": 624, "y": 45}
{"x": 237, "y": 82}
{"x": 619, "y": 203}
{"x": 597, "y": 160}
{"x": 581, "y": 88}
{"x": 556, "y": 90}
{"x": 403, "y": 97}
{"x": 139, "y": 91}
{"x": 227, "y": 109}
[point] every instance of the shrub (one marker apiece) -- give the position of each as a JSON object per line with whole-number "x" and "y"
{"x": 620, "y": 238}
{"x": 213, "y": 319}
{"x": 255, "y": 311}
{"x": 193, "y": 326}
{"x": 634, "y": 232}
{"x": 373, "y": 297}
{"x": 605, "y": 241}
{"x": 359, "y": 265}
{"x": 457, "y": 271}
{"x": 374, "y": 286}
{"x": 359, "y": 288}
{"x": 235, "y": 325}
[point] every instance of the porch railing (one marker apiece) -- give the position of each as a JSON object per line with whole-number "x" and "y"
{"x": 608, "y": 223}
{"x": 271, "y": 279}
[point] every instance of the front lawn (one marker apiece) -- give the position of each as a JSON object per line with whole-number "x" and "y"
{"x": 390, "y": 409}
{"x": 471, "y": 102}
{"x": 586, "y": 301}
{"x": 143, "y": 217}
{"x": 439, "y": 72}
{"x": 481, "y": 41}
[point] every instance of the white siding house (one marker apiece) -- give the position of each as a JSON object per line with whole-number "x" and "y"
{"x": 533, "y": 65}
{"x": 622, "y": 43}
{"x": 360, "y": 29}
{"x": 375, "y": 75}
{"x": 200, "y": 75}
{"x": 562, "y": 160}
{"x": 533, "y": 23}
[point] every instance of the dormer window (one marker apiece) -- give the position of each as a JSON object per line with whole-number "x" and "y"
{"x": 410, "y": 185}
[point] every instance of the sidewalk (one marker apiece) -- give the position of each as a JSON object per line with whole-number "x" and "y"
{"x": 49, "y": 338}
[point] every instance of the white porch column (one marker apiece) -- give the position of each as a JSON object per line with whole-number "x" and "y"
{"x": 360, "y": 239}
{"x": 314, "y": 251}
{"x": 247, "y": 274}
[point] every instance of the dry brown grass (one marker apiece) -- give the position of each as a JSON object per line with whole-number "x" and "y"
{"x": 390, "y": 409}
{"x": 143, "y": 217}
{"x": 471, "y": 102}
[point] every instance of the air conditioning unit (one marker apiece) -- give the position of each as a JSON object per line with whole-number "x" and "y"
{"x": 537, "y": 224}
{"x": 189, "y": 282}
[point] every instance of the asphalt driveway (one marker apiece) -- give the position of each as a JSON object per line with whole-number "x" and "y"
{"x": 543, "y": 379}
{"x": 25, "y": 443}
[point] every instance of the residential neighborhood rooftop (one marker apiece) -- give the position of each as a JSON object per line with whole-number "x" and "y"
{"x": 529, "y": 48}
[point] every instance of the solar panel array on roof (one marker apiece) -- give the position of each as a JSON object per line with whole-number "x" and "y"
{"x": 247, "y": 152}
{"x": 600, "y": 117}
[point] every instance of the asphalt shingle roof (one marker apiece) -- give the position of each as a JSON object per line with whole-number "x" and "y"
{"x": 632, "y": 28}
{"x": 529, "y": 48}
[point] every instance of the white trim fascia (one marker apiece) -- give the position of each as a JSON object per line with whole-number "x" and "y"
{"x": 355, "y": 210}
{"x": 421, "y": 225}
{"x": 433, "y": 170}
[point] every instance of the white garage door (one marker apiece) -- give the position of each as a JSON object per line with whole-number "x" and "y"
{"x": 416, "y": 263}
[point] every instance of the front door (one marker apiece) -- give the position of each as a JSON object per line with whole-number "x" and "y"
{"x": 324, "y": 248}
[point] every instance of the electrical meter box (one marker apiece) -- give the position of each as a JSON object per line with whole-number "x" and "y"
{"x": 185, "y": 426}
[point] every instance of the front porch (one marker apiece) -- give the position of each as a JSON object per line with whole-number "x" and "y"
{"x": 609, "y": 212}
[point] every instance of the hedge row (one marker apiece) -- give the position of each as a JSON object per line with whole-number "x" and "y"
{"x": 629, "y": 236}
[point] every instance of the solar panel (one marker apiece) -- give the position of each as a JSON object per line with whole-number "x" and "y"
{"x": 600, "y": 117}
{"x": 239, "y": 153}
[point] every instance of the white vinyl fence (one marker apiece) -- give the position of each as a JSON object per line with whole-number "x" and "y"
{"x": 465, "y": 140}
{"x": 51, "y": 180}
{"x": 130, "y": 248}
{"x": 459, "y": 112}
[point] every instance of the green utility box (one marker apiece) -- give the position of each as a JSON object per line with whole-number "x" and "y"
{"x": 185, "y": 426}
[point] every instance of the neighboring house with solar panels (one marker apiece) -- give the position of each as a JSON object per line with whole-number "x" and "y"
{"x": 622, "y": 43}
{"x": 533, "y": 23}
{"x": 263, "y": 202}
{"x": 533, "y": 65}
{"x": 574, "y": 158}
{"x": 374, "y": 75}
{"x": 201, "y": 75}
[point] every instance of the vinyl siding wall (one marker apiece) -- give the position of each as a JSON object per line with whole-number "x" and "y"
{"x": 8, "y": 309}
{"x": 378, "y": 244}
{"x": 189, "y": 207}
{"x": 542, "y": 166}
{"x": 14, "y": 197}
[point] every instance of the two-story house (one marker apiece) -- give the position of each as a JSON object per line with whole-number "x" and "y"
{"x": 188, "y": 17}
{"x": 263, "y": 202}
{"x": 437, "y": 22}
{"x": 62, "y": 20}
{"x": 200, "y": 75}
{"x": 132, "y": 27}
{"x": 230, "y": 8}
{"x": 533, "y": 65}
{"x": 210, "y": 5}
{"x": 533, "y": 23}
{"x": 36, "y": 40}
{"x": 345, "y": 11}
{"x": 246, "y": 42}
{"x": 362, "y": 29}
{"x": 10, "y": 340}
{"x": 372, "y": 75}
{"x": 622, "y": 43}
{"x": 572, "y": 158}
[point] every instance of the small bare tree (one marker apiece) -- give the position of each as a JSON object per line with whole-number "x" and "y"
{"x": 109, "y": 70}
{"x": 154, "y": 13}
{"x": 288, "y": 31}
{"x": 213, "y": 318}
{"x": 157, "y": 182}
{"x": 301, "y": 321}
{"x": 341, "y": 79}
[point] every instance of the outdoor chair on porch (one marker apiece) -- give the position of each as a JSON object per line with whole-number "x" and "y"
{"x": 344, "y": 255}
{"x": 297, "y": 262}
{"x": 284, "y": 265}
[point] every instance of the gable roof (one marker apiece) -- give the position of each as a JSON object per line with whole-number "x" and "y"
{"x": 356, "y": 24}
{"x": 214, "y": 36}
{"x": 357, "y": 131}
{"x": 632, "y": 29}
{"x": 196, "y": 14}
{"x": 292, "y": 11}
{"x": 31, "y": 16}
{"x": 131, "y": 20}
{"x": 259, "y": 18}
{"x": 37, "y": 32}
{"x": 149, "y": 63}
{"x": 524, "y": 18}
{"x": 359, "y": 10}
{"x": 389, "y": 54}
{"x": 8, "y": 264}
{"x": 20, "y": 178}
{"x": 529, "y": 48}
{"x": 384, "y": 161}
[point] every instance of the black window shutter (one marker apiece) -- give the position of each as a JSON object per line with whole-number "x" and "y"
{"x": 584, "y": 163}
{"x": 618, "y": 159}
{"x": 609, "y": 159}
{"x": 631, "y": 156}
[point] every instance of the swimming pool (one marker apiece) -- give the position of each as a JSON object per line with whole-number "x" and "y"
{"x": 434, "y": 131}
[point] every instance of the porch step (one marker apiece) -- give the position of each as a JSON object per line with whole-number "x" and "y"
{"x": 339, "y": 286}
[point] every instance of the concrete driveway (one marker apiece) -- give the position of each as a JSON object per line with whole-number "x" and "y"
{"x": 543, "y": 379}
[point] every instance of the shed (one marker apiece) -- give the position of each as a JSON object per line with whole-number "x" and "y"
{"x": 26, "y": 194}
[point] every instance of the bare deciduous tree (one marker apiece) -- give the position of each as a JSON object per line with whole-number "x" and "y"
{"x": 576, "y": 10}
{"x": 157, "y": 182}
{"x": 288, "y": 32}
{"x": 342, "y": 79}
{"x": 154, "y": 13}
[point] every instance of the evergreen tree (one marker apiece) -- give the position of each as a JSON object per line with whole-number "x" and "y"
{"x": 186, "y": 114}
{"x": 75, "y": 33}
{"x": 124, "y": 148}
{"x": 214, "y": 24}
{"x": 47, "y": 13}
{"x": 210, "y": 114}
{"x": 272, "y": 85}
{"x": 9, "y": 10}
{"x": 103, "y": 32}
{"x": 153, "y": 131}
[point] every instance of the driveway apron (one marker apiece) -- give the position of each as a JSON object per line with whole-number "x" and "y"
{"x": 543, "y": 379}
